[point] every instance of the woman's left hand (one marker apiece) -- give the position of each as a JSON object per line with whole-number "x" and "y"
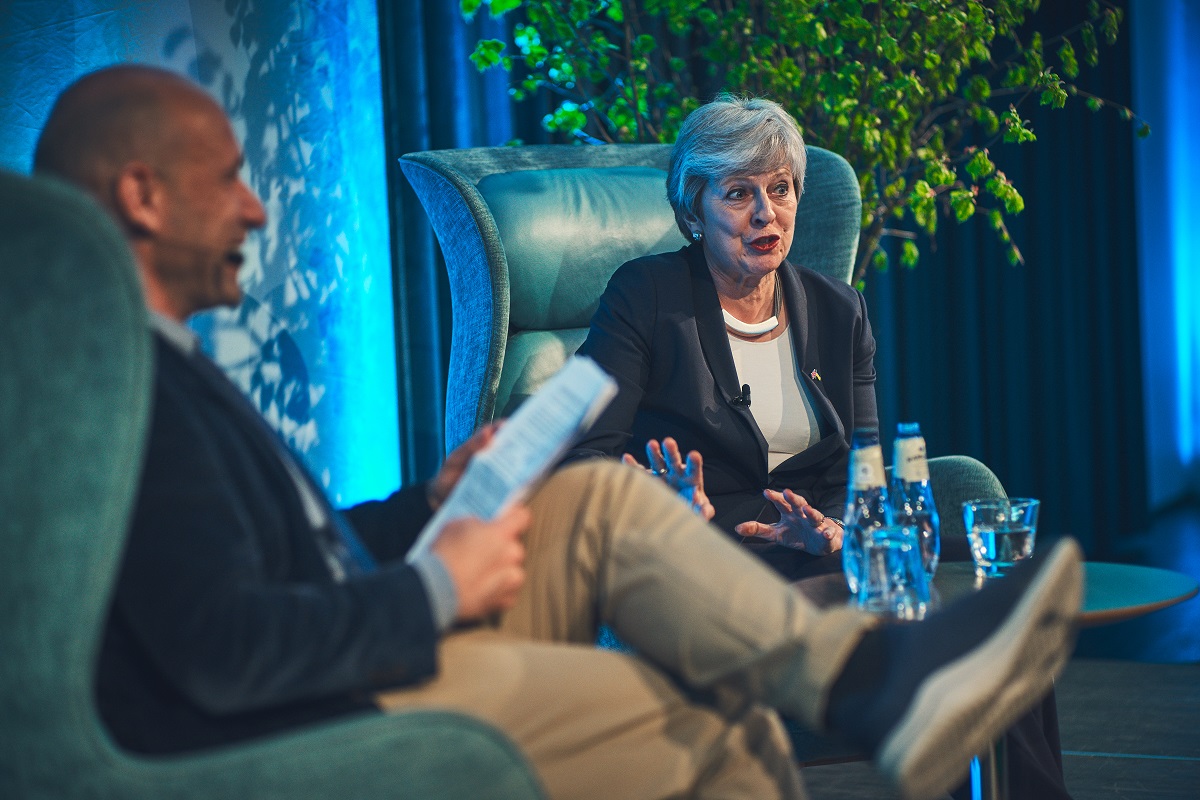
{"x": 800, "y": 527}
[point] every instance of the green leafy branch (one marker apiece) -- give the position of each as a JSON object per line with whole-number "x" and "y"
{"x": 913, "y": 93}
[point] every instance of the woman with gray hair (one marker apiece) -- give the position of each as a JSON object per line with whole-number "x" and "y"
{"x": 690, "y": 335}
{"x": 687, "y": 334}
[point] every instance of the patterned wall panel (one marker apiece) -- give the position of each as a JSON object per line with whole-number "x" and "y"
{"x": 313, "y": 343}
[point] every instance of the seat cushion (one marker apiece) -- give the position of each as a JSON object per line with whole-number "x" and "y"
{"x": 530, "y": 360}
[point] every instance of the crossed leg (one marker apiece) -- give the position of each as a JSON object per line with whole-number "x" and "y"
{"x": 607, "y": 544}
{"x": 610, "y": 545}
{"x": 600, "y": 724}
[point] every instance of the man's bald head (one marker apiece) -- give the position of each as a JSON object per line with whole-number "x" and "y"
{"x": 111, "y": 117}
{"x": 161, "y": 156}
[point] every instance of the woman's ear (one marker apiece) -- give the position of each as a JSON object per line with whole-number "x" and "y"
{"x": 138, "y": 198}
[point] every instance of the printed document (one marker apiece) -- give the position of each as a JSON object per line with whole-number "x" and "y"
{"x": 529, "y": 443}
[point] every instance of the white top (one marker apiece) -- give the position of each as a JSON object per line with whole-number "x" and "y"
{"x": 779, "y": 399}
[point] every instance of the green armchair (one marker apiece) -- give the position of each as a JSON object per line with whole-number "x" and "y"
{"x": 531, "y": 235}
{"x": 75, "y": 378}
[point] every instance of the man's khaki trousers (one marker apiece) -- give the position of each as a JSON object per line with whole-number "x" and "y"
{"x": 719, "y": 638}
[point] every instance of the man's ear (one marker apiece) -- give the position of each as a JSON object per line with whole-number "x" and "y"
{"x": 138, "y": 198}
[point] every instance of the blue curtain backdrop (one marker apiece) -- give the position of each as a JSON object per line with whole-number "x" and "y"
{"x": 1036, "y": 369}
{"x": 434, "y": 99}
{"x": 1166, "y": 72}
{"x": 313, "y": 344}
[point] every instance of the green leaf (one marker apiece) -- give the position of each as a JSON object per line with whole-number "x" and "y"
{"x": 1054, "y": 96}
{"x": 963, "y": 204}
{"x": 567, "y": 118}
{"x": 487, "y": 54}
{"x": 1109, "y": 26}
{"x": 987, "y": 119}
{"x": 1016, "y": 130}
{"x": 980, "y": 166}
{"x": 498, "y": 7}
{"x": 889, "y": 48}
{"x": 1091, "y": 50}
{"x": 1016, "y": 76}
{"x": 909, "y": 254}
{"x": 937, "y": 173}
{"x": 1066, "y": 55}
{"x": 978, "y": 90}
{"x": 468, "y": 8}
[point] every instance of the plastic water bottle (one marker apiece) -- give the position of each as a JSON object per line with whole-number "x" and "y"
{"x": 912, "y": 495}
{"x": 867, "y": 505}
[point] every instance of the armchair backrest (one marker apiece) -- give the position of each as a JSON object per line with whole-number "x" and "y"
{"x": 74, "y": 404}
{"x": 75, "y": 389}
{"x": 531, "y": 235}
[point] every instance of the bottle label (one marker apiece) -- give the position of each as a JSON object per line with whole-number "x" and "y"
{"x": 866, "y": 468}
{"x": 911, "y": 464}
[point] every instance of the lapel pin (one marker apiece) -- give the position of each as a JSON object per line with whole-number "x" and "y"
{"x": 816, "y": 376}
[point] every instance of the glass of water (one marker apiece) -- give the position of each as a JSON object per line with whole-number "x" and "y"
{"x": 892, "y": 581}
{"x": 1001, "y": 532}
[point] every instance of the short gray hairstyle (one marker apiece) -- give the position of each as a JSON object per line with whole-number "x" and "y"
{"x": 731, "y": 136}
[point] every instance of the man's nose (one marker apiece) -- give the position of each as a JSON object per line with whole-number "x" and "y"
{"x": 254, "y": 214}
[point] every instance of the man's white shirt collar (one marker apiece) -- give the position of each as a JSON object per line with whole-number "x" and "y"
{"x": 179, "y": 336}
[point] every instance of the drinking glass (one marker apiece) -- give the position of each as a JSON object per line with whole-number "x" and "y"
{"x": 893, "y": 582}
{"x": 1001, "y": 532}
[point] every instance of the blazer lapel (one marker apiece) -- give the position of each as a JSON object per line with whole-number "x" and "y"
{"x": 710, "y": 325}
{"x": 804, "y": 318}
{"x": 714, "y": 342}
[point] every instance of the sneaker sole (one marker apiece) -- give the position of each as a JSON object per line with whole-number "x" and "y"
{"x": 961, "y": 709}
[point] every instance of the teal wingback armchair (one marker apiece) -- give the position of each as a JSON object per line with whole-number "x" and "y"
{"x": 75, "y": 378}
{"x": 531, "y": 235}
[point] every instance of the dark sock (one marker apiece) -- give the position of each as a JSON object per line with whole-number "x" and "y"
{"x": 858, "y": 685}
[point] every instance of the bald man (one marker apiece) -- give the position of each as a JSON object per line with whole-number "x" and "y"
{"x": 246, "y": 604}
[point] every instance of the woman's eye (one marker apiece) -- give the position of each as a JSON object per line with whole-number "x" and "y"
{"x": 782, "y": 189}
{"x": 736, "y": 194}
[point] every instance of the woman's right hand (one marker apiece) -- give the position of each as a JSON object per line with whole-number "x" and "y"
{"x": 685, "y": 476}
{"x": 800, "y": 526}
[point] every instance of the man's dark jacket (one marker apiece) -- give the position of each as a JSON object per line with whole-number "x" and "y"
{"x": 226, "y": 621}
